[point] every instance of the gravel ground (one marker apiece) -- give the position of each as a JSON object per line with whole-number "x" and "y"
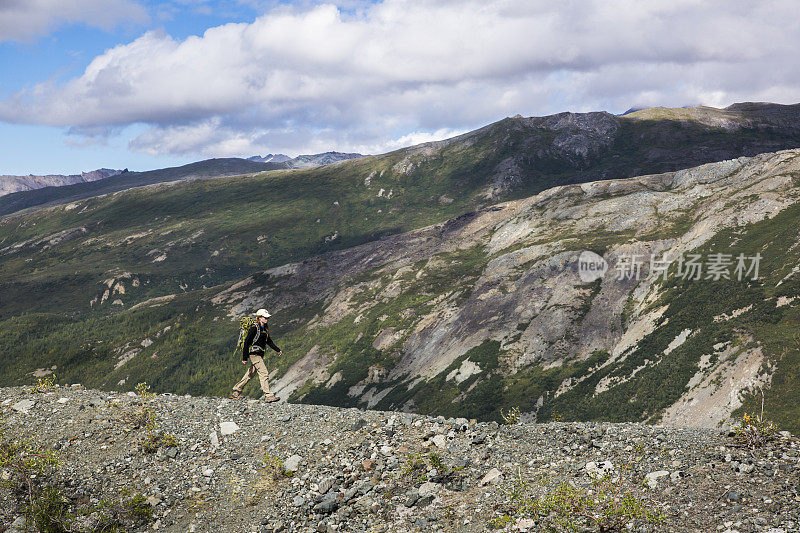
{"x": 352, "y": 469}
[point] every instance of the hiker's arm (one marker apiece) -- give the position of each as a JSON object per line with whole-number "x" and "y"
{"x": 272, "y": 345}
{"x": 248, "y": 341}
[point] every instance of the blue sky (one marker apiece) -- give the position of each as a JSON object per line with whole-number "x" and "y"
{"x": 63, "y": 51}
{"x": 140, "y": 84}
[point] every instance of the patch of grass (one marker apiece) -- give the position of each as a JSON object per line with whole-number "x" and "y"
{"x": 609, "y": 503}
{"x": 38, "y": 493}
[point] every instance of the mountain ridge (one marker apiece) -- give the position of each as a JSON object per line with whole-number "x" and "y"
{"x": 11, "y": 184}
{"x": 306, "y": 161}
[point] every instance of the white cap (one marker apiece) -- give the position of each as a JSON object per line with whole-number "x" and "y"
{"x": 263, "y": 312}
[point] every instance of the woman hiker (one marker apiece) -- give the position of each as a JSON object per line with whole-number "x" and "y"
{"x": 255, "y": 346}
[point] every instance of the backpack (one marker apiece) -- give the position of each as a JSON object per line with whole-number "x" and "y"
{"x": 245, "y": 324}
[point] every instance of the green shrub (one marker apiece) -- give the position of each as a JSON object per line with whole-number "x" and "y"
{"x": 414, "y": 469}
{"x": 44, "y": 384}
{"x": 511, "y": 416}
{"x": 50, "y": 511}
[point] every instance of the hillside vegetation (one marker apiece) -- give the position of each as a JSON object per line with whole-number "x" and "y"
{"x": 439, "y": 278}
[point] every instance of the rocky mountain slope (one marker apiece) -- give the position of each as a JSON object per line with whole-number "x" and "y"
{"x": 402, "y": 281}
{"x": 10, "y": 184}
{"x": 217, "y": 465}
{"x": 489, "y": 311}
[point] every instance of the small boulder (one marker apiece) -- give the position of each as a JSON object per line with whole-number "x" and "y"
{"x": 491, "y": 476}
{"x": 23, "y": 406}
{"x": 440, "y": 441}
{"x": 228, "y": 428}
{"x": 293, "y": 463}
{"x": 652, "y": 478}
{"x": 599, "y": 469}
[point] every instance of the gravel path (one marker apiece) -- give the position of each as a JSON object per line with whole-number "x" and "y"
{"x": 356, "y": 470}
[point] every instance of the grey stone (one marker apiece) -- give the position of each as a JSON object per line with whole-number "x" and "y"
{"x": 328, "y": 504}
{"x": 735, "y": 495}
{"x": 293, "y": 463}
{"x": 228, "y": 428}
{"x": 652, "y": 478}
{"x": 23, "y": 406}
{"x": 491, "y": 476}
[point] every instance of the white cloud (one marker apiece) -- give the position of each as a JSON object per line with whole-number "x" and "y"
{"x": 23, "y": 20}
{"x": 296, "y": 78}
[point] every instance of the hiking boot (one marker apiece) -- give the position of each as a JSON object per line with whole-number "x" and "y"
{"x": 235, "y": 395}
{"x": 270, "y": 398}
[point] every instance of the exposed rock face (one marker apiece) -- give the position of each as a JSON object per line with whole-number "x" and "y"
{"x": 522, "y": 290}
{"x": 9, "y": 184}
{"x": 232, "y": 466}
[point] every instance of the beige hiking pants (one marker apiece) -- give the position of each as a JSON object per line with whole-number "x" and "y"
{"x": 256, "y": 366}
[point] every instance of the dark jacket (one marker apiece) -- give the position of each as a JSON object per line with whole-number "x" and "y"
{"x": 256, "y": 342}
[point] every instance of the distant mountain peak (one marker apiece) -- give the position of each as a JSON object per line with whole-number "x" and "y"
{"x": 305, "y": 160}
{"x": 270, "y": 158}
{"x": 10, "y": 184}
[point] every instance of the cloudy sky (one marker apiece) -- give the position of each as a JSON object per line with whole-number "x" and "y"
{"x": 142, "y": 84}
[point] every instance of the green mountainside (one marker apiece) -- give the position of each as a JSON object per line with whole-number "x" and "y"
{"x": 431, "y": 278}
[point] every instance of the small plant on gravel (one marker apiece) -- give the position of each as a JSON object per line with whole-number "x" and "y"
{"x": 436, "y": 461}
{"x": 143, "y": 416}
{"x": 277, "y": 470}
{"x": 608, "y": 506}
{"x": 42, "y": 497}
{"x": 44, "y": 384}
{"x": 511, "y": 416}
{"x": 26, "y": 465}
{"x": 50, "y": 511}
{"x": 138, "y": 510}
{"x": 414, "y": 469}
{"x": 155, "y": 440}
{"x": 754, "y": 431}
